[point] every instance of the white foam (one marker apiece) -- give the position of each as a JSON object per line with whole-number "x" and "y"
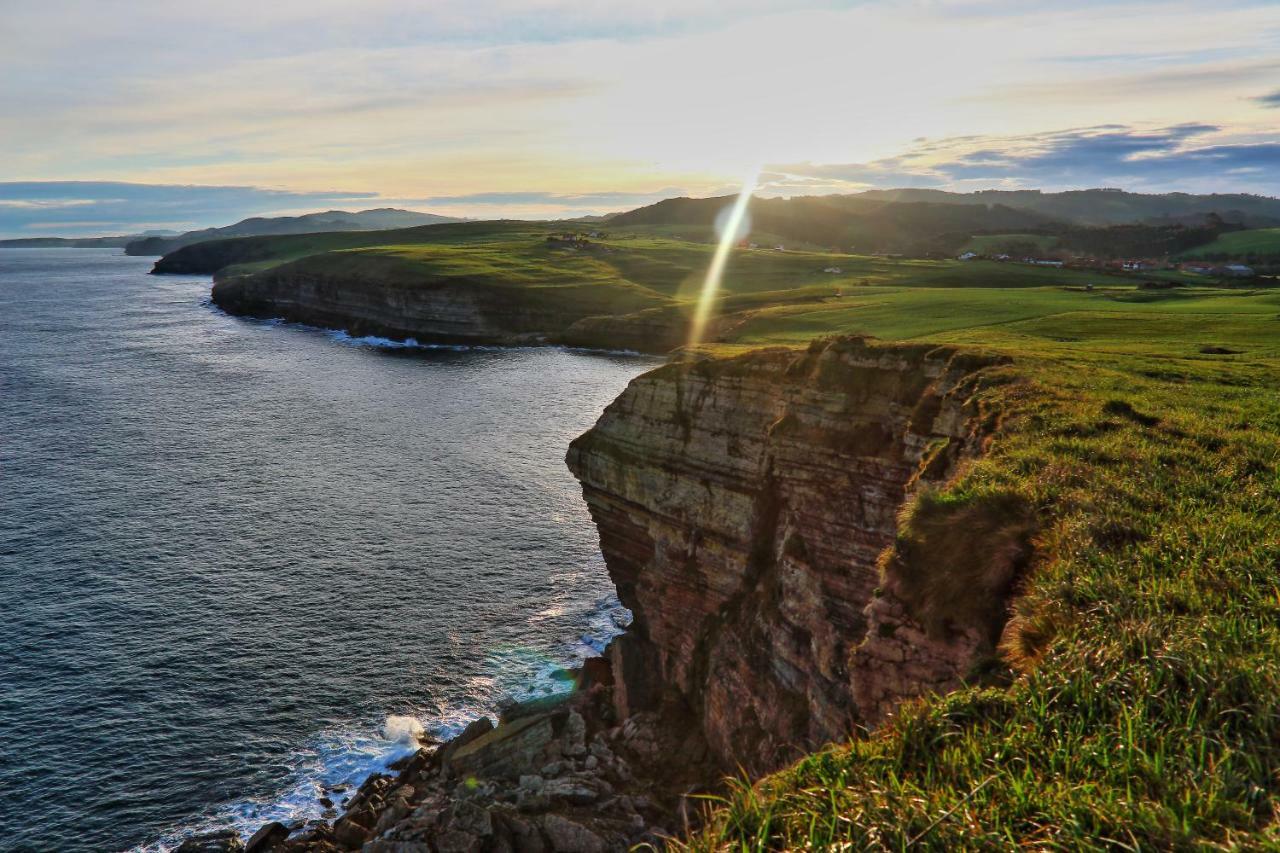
{"x": 335, "y": 763}
{"x": 401, "y": 728}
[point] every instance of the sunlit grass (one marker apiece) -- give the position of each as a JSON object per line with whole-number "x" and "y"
{"x": 1143, "y": 705}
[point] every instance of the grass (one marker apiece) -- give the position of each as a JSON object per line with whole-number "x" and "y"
{"x": 1135, "y": 703}
{"x": 1241, "y": 244}
{"x": 989, "y": 244}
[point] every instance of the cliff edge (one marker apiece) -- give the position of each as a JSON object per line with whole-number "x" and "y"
{"x": 747, "y": 510}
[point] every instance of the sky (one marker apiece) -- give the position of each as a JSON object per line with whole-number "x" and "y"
{"x": 118, "y": 116}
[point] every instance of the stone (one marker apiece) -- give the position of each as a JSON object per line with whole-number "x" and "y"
{"x": 474, "y": 730}
{"x": 350, "y": 833}
{"x": 508, "y": 751}
{"x": 574, "y": 736}
{"x": 567, "y": 836}
{"x": 456, "y": 841}
{"x": 222, "y": 841}
{"x": 267, "y": 838}
{"x": 572, "y": 791}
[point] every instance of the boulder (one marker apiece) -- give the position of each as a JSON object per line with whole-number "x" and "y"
{"x": 567, "y": 836}
{"x": 267, "y": 838}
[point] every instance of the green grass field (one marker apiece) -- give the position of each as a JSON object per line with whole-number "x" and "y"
{"x": 1135, "y": 700}
{"x": 989, "y": 244}
{"x": 1241, "y": 244}
{"x": 1134, "y": 703}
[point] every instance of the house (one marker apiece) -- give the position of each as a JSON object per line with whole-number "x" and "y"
{"x": 833, "y": 270}
{"x": 779, "y": 248}
{"x": 753, "y": 245}
{"x": 1237, "y": 271}
{"x": 967, "y": 256}
{"x": 1137, "y": 266}
{"x": 1045, "y": 262}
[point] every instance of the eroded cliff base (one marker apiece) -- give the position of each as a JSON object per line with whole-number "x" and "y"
{"x": 561, "y": 774}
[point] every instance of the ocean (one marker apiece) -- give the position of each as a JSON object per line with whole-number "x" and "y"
{"x": 245, "y": 563}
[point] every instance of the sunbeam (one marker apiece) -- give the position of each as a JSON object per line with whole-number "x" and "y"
{"x": 715, "y": 272}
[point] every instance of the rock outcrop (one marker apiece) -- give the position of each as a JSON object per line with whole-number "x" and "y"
{"x": 743, "y": 506}
{"x": 559, "y": 775}
{"x": 387, "y": 297}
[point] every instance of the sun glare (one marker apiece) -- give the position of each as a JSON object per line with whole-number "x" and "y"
{"x": 730, "y": 228}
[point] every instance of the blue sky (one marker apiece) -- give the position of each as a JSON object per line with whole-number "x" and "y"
{"x": 182, "y": 115}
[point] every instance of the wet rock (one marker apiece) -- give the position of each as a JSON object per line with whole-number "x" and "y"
{"x": 352, "y": 831}
{"x": 267, "y": 838}
{"x": 222, "y": 841}
{"x": 505, "y": 752}
{"x": 474, "y": 730}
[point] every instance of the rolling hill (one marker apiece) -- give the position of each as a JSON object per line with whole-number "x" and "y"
{"x": 310, "y": 223}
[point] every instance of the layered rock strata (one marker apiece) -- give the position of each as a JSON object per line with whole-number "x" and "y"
{"x": 448, "y": 312}
{"x": 742, "y": 506}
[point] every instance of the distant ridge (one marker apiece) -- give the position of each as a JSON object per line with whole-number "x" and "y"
{"x": 378, "y": 219}
{"x": 1107, "y": 206}
{"x": 923, "y": 221}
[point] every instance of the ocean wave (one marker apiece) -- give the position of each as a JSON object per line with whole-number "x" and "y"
{"x": 334, "y": 763}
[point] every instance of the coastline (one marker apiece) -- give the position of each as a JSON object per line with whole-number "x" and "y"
{"x": 331, "y": 766}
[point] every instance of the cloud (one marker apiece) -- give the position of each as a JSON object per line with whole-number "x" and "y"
{"x": 1176, "y": 157}
{"x": 1271, "y": 99}
{"x": 609, "y": 200}
{"x": 83, "y": 208}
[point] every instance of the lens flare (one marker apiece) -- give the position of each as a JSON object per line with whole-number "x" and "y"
{"x": 715, "y": 272}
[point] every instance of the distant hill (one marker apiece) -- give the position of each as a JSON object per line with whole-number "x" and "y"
{"x": 1107, "y": 206}
{"x": 850, "y": 222}
{"x": 70, "y": 242}
{"x": 310, "y": 223}
{"x": 1105, "y": 223}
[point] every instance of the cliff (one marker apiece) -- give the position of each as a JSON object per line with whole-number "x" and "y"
{"x": 746, "y": 509}
{"x": 384, "y": 294}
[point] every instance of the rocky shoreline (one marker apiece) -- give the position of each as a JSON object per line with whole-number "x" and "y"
{"x": 562, "y": 773}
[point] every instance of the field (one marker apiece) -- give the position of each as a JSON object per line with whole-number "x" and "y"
{"x": 1241, "y": 244}
{"x": 991, "y": 244}
{"x": 1135, "y": 700}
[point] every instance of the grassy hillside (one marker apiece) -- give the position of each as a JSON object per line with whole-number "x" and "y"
{"x": 1257, "y": 242}
{"x": 1135, "y": 702}
{"x": 326, "y": 221}
{"x": 994, "y": 244}
{"x": 846, "y": 222}
{"x": 1106, "y": 206}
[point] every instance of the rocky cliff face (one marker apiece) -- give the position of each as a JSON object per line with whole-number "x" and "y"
{"x": 743, "y": 506}
{"x": 375, "y": 297}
